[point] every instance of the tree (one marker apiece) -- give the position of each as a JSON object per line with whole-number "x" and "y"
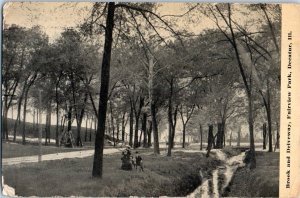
{"x": 76, "y": 63}
{"x": 186, "y": 115}
{"x": 13, "y": 60}
{"x": 109, "y": 9}
{"x": 51, "y": 76}
{"x": 99, "y": 141}
{"x": 223, "y": 12}
{"x": 24, "y": 45}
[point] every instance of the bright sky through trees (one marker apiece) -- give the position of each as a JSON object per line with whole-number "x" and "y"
{"x": 54, "y": 17}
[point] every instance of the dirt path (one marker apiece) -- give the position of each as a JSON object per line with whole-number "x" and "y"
{"x": 73, "y": 154}
{"x": 56, "y": 156}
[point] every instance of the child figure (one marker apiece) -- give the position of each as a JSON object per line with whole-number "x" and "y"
{"x": 139, "y": 161}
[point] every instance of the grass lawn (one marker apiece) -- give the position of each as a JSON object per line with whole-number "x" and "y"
{"x": 10, "y": 149}
{"x": 170, "y": 176}
{"x": 260, "y": 182}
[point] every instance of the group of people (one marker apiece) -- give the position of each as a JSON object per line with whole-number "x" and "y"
{"x": 129, "y": 161}
{"x": 67, "y": 139}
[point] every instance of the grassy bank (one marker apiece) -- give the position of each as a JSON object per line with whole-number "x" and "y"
{"x": 260, "y": 182}
{"x": 170, "y": 176}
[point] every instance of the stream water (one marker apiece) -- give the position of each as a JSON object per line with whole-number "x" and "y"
{"x": 7, "y": 190}
{"x": 221, "y": 176}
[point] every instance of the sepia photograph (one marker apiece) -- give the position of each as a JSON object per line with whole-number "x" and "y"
{"x": 141, "y": 99}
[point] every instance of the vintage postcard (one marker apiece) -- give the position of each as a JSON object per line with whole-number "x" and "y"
{"x": 150, "y": 99}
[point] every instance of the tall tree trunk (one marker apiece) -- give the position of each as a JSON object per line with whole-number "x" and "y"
{"x": 137, "y": 119}
{"x": 170, "y": 121}
{"x": 144, "y": 129}
{"x": 152, "y": 108}
{"x": 278, "y": 135}
{"x": 46, "y": 127}
{"x": 91, "y": 128}
{"x": 239, "y": 136}
{"x": 131, "y": 125}
{"x": 220, "y": 136}
{"x": 62, "y": 123}
{"x": 230, "y": 138}
{"x": 201, "y": 137}
{"x": 183, "y": 135}
{"x": 57, "y": 110}
{"x": 26, "y": 90}
{"x": 33, "y": 123}
{"x": 250, "y": 121}
{"x": 99, "y": 141}
{"x": 149, "y": 132}
{"x": 5, "y": 112}
{"x": 269, "y": 117}
{"x": 224, "y": 132}
{"x": 174, "y": 126}
{"x": 86, "y": 129}
{"x": 113, "y": 133}
{"x": 24, "y": 117}
{"x": 8, "y": 92}
{"x": 12, "y": 111}
{"x": 136, "y": 130}
{"x": 70, "y": 119}
{"x": 18, "y": 119}
{"x": 57, "y": 127}
{"x": 95, "y": 126}
{"x": 123, "y": 127}
{"x": 57, "y": 117}
{"x": 79, "y": 118}
{"x": 112, "y": 123}
{"x": 118, "y": 128}
{"x": 210, "y": 139}
{"x": 108, "y": 128}
{"x": 155, "y": 129}
{"x": 78, "y": 139}
{"x": 37, "y": 119}
{"x": 264, "y": 135}
{"x": 17, "y": 122}
{"x": 247, "y": 83}
{"x": 48, "y": 124}
{"x": 140, "y": 138}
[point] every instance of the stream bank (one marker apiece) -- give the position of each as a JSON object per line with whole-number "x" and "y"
{"x": 217, "y": 184}
{"x": 263, "y": 181}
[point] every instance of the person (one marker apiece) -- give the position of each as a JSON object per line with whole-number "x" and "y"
{"x": 68, "y": 141}
{"x": 139, "y": 161}
{"x": 128, "y": 150}
{"x": 133, "y": 162}
{"x": 126, "y": 157}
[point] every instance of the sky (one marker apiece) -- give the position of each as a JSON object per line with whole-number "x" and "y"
{"x": 54, "y": 17}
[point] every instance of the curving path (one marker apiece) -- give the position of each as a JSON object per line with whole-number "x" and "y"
{"x": 55, "y": 156}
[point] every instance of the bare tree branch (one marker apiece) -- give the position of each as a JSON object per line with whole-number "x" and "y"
{"x": 142, "y": 10}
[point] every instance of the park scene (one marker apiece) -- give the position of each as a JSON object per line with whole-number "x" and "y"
{"x": 120, "y": 99}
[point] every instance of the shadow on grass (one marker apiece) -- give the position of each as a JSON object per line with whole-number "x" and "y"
{"x": 163, "y": 176}
{"x": 260, "y": 182}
